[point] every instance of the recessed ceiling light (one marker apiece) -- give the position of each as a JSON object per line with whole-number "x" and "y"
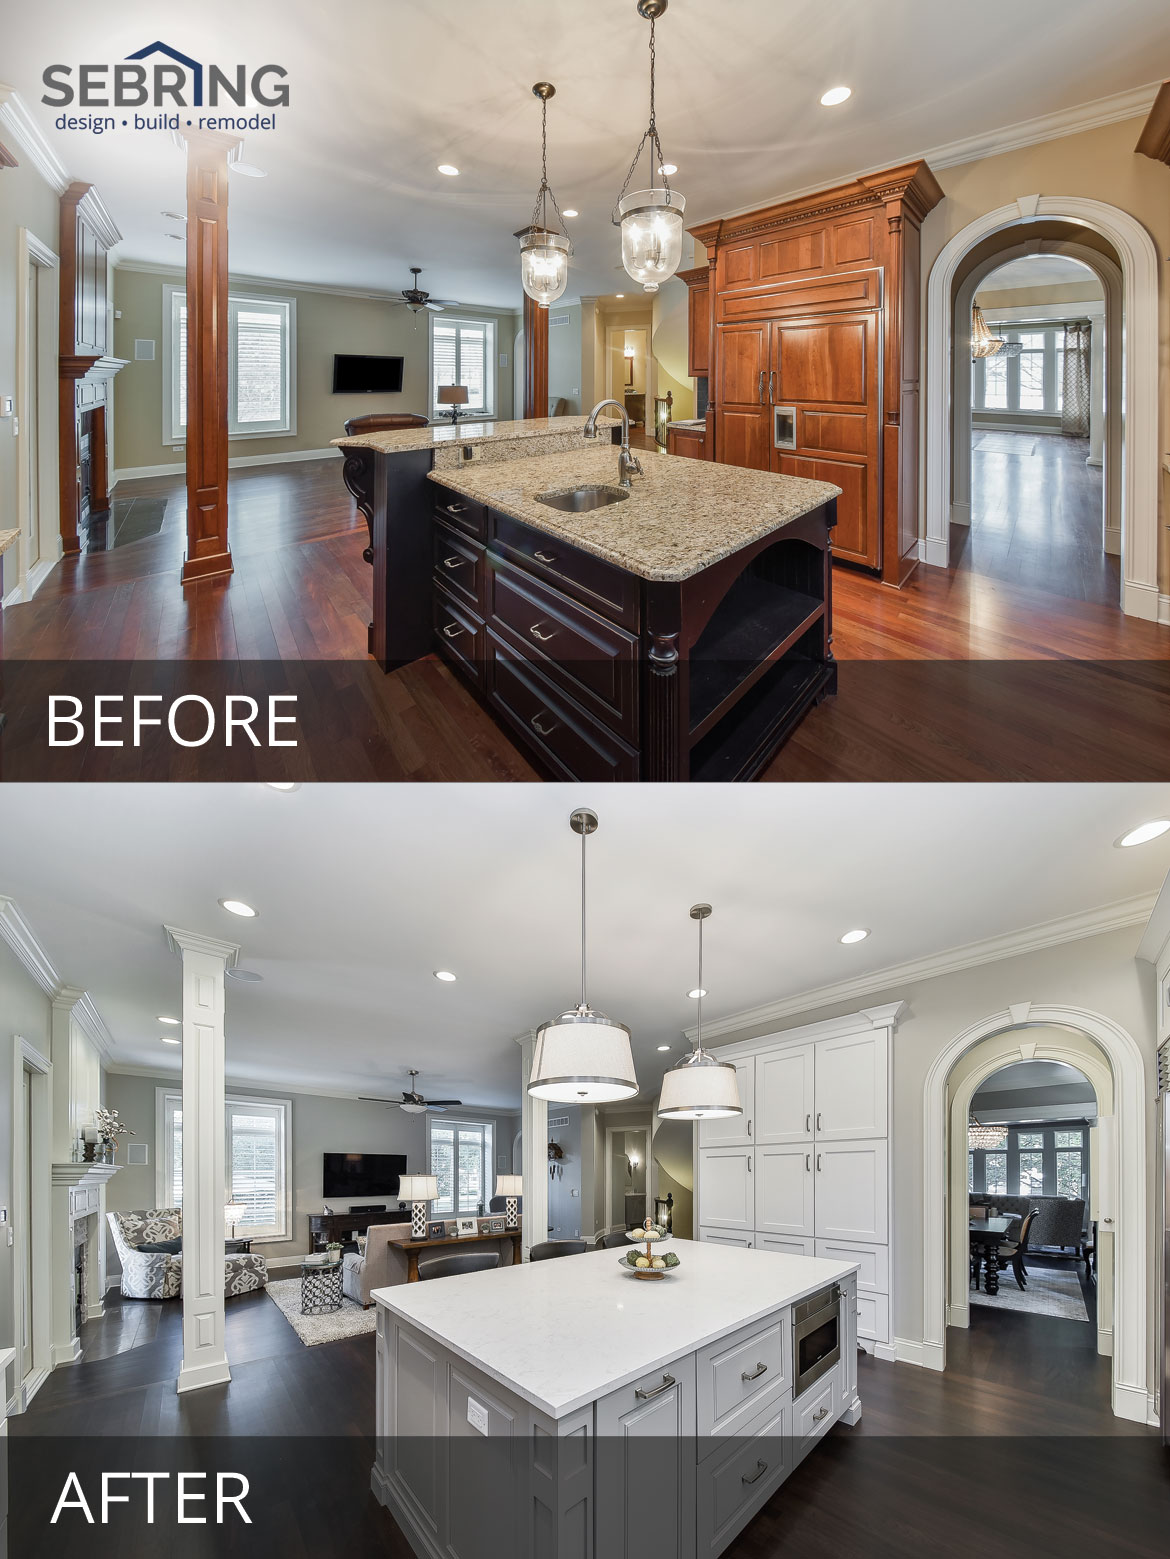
{"x": 249, "y": 976}
{"x": 696, "y": 993}
{"x": 449, "y": 169}
{"x": 445, "y": 975}
{"x": 167, "y": 1040}
{"x": 836, "y": 95}
{"x": 569, "y": 212}
{"x": 853, "y": 936}
{"x": 168, "y": 1020}
{"x": 619, "y": 294}
{"x": 667, "y": 169}
{"x": 283, "y": 784}
{"x": 664, "y": 1047}
{"x": 175, "y": 216}
{"x": 1143, "y": 833}
{"x": 182, "y": 237}
{"x": 238, "y": 907}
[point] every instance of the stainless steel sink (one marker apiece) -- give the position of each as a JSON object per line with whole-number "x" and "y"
{"x": 579, "y": 500}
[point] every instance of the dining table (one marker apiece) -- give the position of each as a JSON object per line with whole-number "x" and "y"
{"x": 987, "y": 1235}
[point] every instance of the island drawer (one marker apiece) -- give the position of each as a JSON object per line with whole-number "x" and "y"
{"x": 465, "y": 513}
{"x": 459, "y": 564}
{"x": 735, "y": 1375}
{"x": 459, "y": 635}
{"x": 595, "y": 661}
{"x": 732, "y": 1487}
{"x": 570, "y": 744}
{"x": 814, "y": 1413}
{"x": 597, "y": 584}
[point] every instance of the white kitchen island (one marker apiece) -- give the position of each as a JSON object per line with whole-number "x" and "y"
{"x": 567, "y": 1409}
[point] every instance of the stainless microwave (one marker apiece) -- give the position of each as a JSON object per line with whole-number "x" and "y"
{"x": 816, "y": 1337}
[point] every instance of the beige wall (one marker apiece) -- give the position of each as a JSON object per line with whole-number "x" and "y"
{"x": 564, "y": 357}
{"x": 671, "y": 341}
{"x": 1088, "y": 291}
{"x": 326, "y": 323}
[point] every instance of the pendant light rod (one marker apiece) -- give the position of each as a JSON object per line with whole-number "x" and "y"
{"x": 583, "y": 822}
{"x": 700, "y": 1086}
{"x": 700, "y": 912}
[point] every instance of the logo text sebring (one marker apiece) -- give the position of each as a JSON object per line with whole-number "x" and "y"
{"x": 178, "y": 82}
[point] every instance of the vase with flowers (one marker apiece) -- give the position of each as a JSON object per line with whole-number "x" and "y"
{"x": 110, "y": 1128}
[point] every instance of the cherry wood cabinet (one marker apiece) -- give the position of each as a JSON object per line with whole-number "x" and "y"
{"x": 699, "y": 321}
{"x": 811, "y": 339}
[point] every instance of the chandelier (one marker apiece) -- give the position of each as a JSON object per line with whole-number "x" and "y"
{"x": 979, "y": 1136}
{"x": 544, "y": 252}
{"x": 651, "y": 219}
{"x": 984, "y": 344}
{"x": 699, "y": 1087}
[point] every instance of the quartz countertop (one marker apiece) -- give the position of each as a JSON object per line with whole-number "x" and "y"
{"x": 680, "y": 517}
{"x": 8, "y": 538}
{"x": 396, "y": 440}
{"x": 560, "y": 1334}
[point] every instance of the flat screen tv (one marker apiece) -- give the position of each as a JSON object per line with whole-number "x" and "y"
{"x": 349, "y": 1175}
{"x": 367, "y": 375}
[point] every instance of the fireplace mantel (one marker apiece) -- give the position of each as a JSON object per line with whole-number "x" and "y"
{"x": 90, "y": 1174}
{"x": 78, "y": 1204}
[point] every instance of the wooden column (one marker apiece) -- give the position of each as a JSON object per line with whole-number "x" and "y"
{"x": 535, "y": 359}
{"x": 208, "y": 552}
{"x": 205, "y": 961}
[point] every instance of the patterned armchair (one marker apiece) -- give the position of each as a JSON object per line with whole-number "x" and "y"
{"x": 159, "y": 1274}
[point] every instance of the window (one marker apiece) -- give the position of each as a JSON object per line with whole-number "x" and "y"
{"x": 261, "y": 366}
{"x": 257, "y": 1152}
{"x": 1030, "y": 385}
{"x": 463, "y": 351}
{"x": 461, "y": 1157}
{"x": 1049, "y": 1160}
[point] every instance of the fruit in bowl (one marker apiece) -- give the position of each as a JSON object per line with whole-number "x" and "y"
{"x": 647, "y": 1231}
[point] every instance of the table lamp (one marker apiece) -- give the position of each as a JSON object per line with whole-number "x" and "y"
{"x": 233, "y": 1211}
{"x": 453, "y": 395}
{"x": 418, "y": 1190}
{"x": 510, "y": 1186}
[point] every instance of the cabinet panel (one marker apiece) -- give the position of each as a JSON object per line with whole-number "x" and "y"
{"x": 737, "y": 1484}
{"x": 873, "y": 1271}
{"x": 645, "y": 1440}
{"x": 725, "y": 1237}
{"x": 784, "y": 1095}
{"x": 731, "y": 1130}
{"x": 851, "y": 1084}
{"x": 743, "y": 438}
{"x": 786, "y": 1244}
{"x": 828, "y": 361}
{"x": 857, "y": 536}
{"x": 699, "y": 325}
{"x": 873, "y": 1317}
{"x": 851, "y": 1191}
{"x": 726, "y": 1186}
{"x": 784, "y": 1189}
{"x": 735, "y": 1377}
{"x": 799, "y": 252}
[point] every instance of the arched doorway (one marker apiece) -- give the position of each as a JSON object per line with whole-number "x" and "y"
{"x": 1136, "y": 336}
{"x": 1114, "y": 1065}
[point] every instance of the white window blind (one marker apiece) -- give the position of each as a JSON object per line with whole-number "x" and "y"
{"x": 256, "y": 1162}
{"x": 1031, "y": 384}
{"x": 461, "y": 1156}
{"x": 463, "y": 351}
{"x": 261, "y": 366}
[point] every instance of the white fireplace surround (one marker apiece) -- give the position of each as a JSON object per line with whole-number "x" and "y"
{"x": 78, "y": 1218}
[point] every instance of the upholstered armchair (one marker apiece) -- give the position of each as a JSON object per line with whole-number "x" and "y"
{"x": 381, "y": 1265}
{"x": 159, "y": 1274}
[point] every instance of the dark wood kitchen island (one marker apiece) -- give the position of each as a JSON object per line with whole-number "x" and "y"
{"x": 680, "y": 632}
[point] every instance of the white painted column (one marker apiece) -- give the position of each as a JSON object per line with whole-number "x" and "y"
{"x": 534, "y": 1124}
{"x": 1096, "y": 390}
{"x": 204, "y": 962}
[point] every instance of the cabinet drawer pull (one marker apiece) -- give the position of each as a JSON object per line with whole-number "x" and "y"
{"x": 818, "y": 1163}
{"x": 544, "y": 557}
{"x": 542, "y": 730}
{"x": 824, "y": 1413}
{"x": 807, "y": 1124}
{"x": 761, "y": 1469}
{"x": 818, "y": 1120}
{"x": 807, "y": 1162}
{"x": 760, "y": 392}
{"x": 543, "y": 637}
{"x": 749, "y": 1166}
{"x": 749, "y": 1125}
{"x": 754, "y": 1374}
{"x": 454, "y": 562}
{"x": 644, "y": 1396}
{"x": 772, "y": 385}
{"x": 456, "y": 508}
{"x": 453, "y": 630}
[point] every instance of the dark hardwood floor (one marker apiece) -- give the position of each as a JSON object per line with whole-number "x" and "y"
{"x": 968, "y": 673}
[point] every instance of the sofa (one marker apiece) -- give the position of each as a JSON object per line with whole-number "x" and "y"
{"x": 159, "y": 1274}
{"x": 1057, "y": 1230}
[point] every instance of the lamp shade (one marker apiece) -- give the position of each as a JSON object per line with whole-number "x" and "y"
{"x": 652, "y": 235}
{"x": 509, "y": 1185}
{"x": 418, "y": 1188}
{"x": 452, "y": 395}
{"x": 583, "y": 1058}
{"x": 234, "y": 1211}
{"x": 544, "y": 265}
{"x": 698, "y": 1088}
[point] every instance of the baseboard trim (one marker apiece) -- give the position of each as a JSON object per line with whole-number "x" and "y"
{"x": 936, "y": 553}
{"x": 961, "y": 514}
{"x": 886, "y": 1352}
{"x": 95, "y": 1312}
{"x": 1132, "y": 1403}
{"x": 66, "y": 1353}
{"x": 177, "y": 467}
{"x": 927, "y": 1355}
{"x": 28, "y": 1389}
{"x": 193, "y": 1377}
{"x": 1140, "y": 601}
{"x": 1164, "y": 609}
{"x": 959, "y": 1315}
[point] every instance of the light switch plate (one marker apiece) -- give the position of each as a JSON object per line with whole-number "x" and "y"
{"x": 477, "y": 1415}
{"x": 3, "y": 1215}
{"x": 7, "y": 406}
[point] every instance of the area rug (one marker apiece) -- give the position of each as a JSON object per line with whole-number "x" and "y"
{"x": 350, "y": 1321}
{"x": 1050, "y": 1291}
{"x": 1004, "y": 444}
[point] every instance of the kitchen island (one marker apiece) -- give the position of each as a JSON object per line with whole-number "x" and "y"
{"x": 677, "y": 629}
{"x": 569, "y": 1408}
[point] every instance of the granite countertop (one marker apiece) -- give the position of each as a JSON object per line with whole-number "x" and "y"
{"x": 8, "y": 538}
{"x": 561, "y": 1334}
{"x": 681, "y": 516}
{"x": 395, "y": 440}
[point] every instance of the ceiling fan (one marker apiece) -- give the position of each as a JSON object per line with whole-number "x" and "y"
{"x": 416, "y": 299}
{"x": 412, "y": 1101}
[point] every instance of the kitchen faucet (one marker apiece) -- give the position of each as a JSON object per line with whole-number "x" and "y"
{"x": 628, "y": 465}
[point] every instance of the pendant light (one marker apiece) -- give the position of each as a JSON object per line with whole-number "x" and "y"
{"x": 651, "y": 219}
{"x": 979, "y": 1136}
{"x": 699, "y": 1087}
{"x": 544, "y": 253}
{"x": 582, "y": 1057}
{"x": 984, "y": 344}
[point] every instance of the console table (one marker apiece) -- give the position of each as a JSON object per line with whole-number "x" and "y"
{"x": 324, "y": 1227}
{"x": 412, "y": 1247}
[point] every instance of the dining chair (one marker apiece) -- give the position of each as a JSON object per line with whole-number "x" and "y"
{"x": 549, "y": 1250}
{"x": 1015, "y": 1251}
{"x": 459, "y": 1261}
{"x": 611, "y": 1242}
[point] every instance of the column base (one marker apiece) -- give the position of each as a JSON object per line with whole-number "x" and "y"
{"x": 193, "y": 1377}
{"x": 206, "y": 568}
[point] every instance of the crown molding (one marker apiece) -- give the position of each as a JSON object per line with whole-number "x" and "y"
{"x": 80, "y": 1006}
{"x": 18, "y": 934}
{"x": 23, "y": 129}
{"x": 180, "y": 942}
{"x": 96, "y": 213}
{"x": 1011, "y": 944}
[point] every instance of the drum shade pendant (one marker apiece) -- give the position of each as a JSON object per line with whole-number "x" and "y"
{"x": 699, "y": 1087}
{"x": 582, "y": 1057}
{"x": 651, "y": 219}
{"x": 544, "y": 252}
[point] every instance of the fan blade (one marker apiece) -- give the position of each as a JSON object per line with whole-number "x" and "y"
{"x": 369, "y": 1098}
{"x": 446, "y": 303}
{"x": 436, "y": 1104}
{"x": 435, "y": 308}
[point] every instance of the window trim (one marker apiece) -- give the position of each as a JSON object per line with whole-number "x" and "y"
{"x": 1048, "y": 1129}
{"x": 164, "y": 1148}
{"x": 175, "y": 436}
{"x": 491, "y": 369}
{"x": 1012, "y": 330}
{"x": 486, "y": 1125}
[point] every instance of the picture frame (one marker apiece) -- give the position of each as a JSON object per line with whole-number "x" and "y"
{"x": 436, "y": 1231}
{"x": 499, "y": 1226}
{"x": 465, "y": 1226}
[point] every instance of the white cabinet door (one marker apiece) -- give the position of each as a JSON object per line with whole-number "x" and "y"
{"x": 726, "y": 1185}
{"x": 851, "y": 1086}
{"x": 851, "y": 1191}
{"x": 873, "y": 1263}
{"x": 786, "y": 1244}
{"x": 784, "y": 1095}
{"x": 730, "y": 1131}
{"x": 784, "y": 1189}
{"x": 645, "y": 1439}
{"x": 726, "y": 1237}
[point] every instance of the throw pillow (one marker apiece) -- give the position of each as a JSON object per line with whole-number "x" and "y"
{"x": 161, "y": 1247}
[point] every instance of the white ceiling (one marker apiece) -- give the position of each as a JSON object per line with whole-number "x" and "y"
{"x": 1033, "y": 1075}
{"x": 364, "y": 891}
{"x": 384, "y": 90}
{"x": 1040, "y": 270}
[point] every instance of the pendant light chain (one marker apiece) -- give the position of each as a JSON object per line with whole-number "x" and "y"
{"x": 545, "y": 193}
{"x": 658, "y": 160}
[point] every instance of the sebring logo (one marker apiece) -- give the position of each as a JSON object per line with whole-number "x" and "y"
{"x": 172, "y": 81}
